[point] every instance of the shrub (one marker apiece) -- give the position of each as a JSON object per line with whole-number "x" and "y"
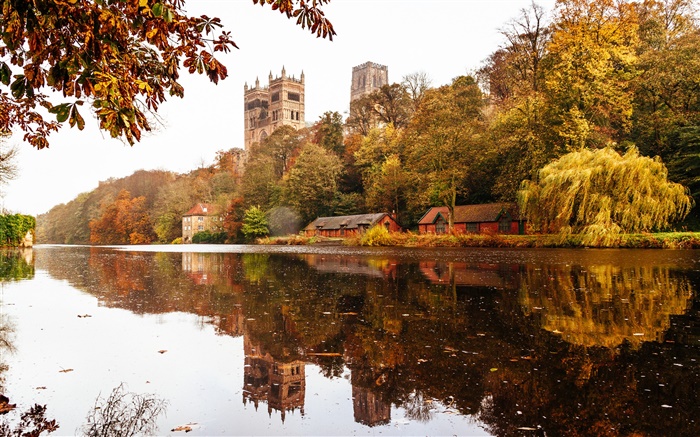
{"x": 376, "y": 236}
{"x": 208, "y": 237}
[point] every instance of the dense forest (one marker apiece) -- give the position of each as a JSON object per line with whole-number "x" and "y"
{"x": 592, "y": 75}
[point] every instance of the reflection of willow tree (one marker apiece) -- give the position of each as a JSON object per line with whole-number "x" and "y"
{"x": 604, "y": 305}
{"x": 573, "y": 390}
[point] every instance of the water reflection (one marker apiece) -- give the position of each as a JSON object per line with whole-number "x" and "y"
{"x": 523, "y": 347}
{"x": 16, "y": 264}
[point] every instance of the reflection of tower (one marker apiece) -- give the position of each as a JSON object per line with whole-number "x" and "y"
{"x": 268, "y": 108}
{"x": 281, "y": 385}
{"x": 369, "y": 407}
{"x": 367, "y": 78}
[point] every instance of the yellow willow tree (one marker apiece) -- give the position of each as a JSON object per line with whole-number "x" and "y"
{"x": 600, "y": 194}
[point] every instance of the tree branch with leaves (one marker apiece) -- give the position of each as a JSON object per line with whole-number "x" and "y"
{"x": 122, "y": 58}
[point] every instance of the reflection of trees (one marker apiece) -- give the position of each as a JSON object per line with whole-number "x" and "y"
{"x": 16, "y": 264}
{"x": 604, "y": 305}
{"x": 477, "y": 348}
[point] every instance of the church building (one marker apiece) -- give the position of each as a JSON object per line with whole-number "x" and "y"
{"x": 269, "y": 107}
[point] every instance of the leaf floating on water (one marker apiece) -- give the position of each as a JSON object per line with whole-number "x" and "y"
{"x": 185, "y": 428}
{"x": 84, "y": 316}
{"x": 666, "y": 406}
{"x": 65, "y": 370}
{"x": 493, "y": 369}
{"x": 41, "y": 388}
{"x": 162, "y": 351}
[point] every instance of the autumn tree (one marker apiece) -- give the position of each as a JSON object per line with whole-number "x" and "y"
{"x": 445, "y": 140}
{"x": 313, "y": 182}
{"x": 591, "y": 59}
{"x": 260, "y": 184}
{"x": 600, "y": 194}
{"x": 389, "y": 187}
{"x": 122, "y": 58}
{"x": 666, "y": 95}
{"x": 233, "y": 219}
{"x": 124, "y": 221}
{"x": 328, "y": 132}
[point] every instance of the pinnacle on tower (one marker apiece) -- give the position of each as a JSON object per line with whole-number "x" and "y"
{"x": 284, "y": 72}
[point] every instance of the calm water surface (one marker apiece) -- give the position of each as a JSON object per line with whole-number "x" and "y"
{"x": 241, "y": 340}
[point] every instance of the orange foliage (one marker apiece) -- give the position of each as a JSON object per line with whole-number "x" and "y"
{"x": 124, "y": 221}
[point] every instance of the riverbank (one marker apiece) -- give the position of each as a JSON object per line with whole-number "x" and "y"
{"x": 664, "y": 240}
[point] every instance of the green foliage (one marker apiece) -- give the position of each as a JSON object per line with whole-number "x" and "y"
{"x": 15, "y": 266}
{"x": 14, "y": 228}
{"x": 313, "y": 182}
{"x": 208, "y": 237}
{"x": 254, "y": 223}
{"x": 602, "y": 194}
{"x": 328, "y": 132}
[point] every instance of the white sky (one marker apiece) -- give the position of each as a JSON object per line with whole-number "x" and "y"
{"x": 444, "y": 38}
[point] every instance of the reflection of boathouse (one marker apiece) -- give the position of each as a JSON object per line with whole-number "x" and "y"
{"x": 281, "y": 385}
{"x": 498, "y": 276}
{"x": 354, "y": 265}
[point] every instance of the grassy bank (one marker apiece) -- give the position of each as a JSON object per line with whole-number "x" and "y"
{"x": 667, "y": 240}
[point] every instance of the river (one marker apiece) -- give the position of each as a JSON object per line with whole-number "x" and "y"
{"x": 268, "y": 340}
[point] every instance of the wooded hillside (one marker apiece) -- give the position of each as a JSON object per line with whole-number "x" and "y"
{"x": 592, "y": 75}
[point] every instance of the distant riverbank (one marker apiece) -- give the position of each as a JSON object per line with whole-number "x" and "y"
{"x": 665, "y": 240}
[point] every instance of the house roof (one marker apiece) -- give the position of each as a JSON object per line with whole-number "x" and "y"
{"x": 345, "y": 221}
{"x": 487, "y": 212}
{"x": 202, "y": 209}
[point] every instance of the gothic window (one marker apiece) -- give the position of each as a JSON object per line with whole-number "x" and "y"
{"x": 440, "y": 225}
{"x": 504, "y": 225}
{"x": 275, "y": 96}
{"x": 295, "y": 97}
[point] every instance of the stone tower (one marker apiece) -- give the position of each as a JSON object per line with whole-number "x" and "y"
{"x": 280, "y": 103}
{"x": 367, "y": 78}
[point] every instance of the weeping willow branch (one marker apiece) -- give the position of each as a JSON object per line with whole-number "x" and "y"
{"x": 601, "y": 194}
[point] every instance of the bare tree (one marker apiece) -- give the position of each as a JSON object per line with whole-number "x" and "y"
{"x": 8, "y": 159}
{"x": 417, "y": 84}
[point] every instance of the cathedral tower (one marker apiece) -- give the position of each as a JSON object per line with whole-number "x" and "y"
{"x": 280, "y": 103}
{"x": 367, "y": 78}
